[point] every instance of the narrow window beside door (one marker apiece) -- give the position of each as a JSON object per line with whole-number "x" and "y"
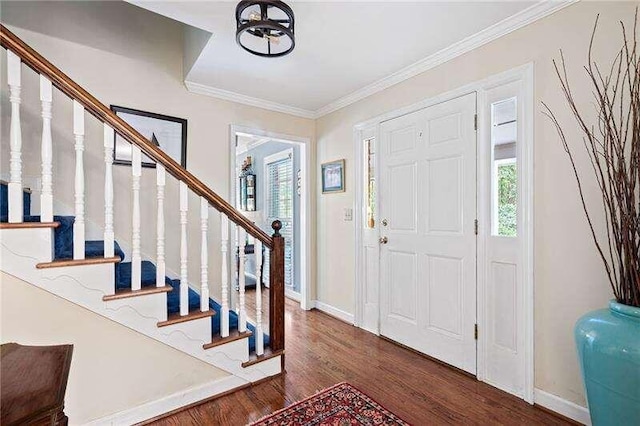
{"x": 370, "y": 182}
{"x": 504, "y": 179}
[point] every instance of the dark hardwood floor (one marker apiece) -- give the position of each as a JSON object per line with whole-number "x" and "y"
{"x": 322, "y": 351}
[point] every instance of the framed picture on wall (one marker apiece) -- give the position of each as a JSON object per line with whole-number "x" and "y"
{"x": 167, "y": 133}
{"x": 333, "y": 177}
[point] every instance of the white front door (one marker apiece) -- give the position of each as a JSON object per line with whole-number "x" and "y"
{"x": 428, "y": 202}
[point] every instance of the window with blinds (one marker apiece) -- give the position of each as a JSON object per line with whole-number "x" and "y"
{"x": 279, "y": 205}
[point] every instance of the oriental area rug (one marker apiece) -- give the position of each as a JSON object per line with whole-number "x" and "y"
{"x": 339, "y": 405}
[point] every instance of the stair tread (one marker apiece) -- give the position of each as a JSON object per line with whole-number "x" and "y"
{"x": 22, "y": 225}
{"x": 126, "y": 293}
{"x": 233, "y": 336}
{"x": 192, "y": 315}
{"x": 59, "y": 263}
{"x": 268, "y": 354}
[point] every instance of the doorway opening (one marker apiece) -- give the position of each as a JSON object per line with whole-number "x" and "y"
{"x": 269, "y": 181}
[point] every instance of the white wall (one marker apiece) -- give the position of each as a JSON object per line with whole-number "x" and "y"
{"x": 130, "y": 57}
{"x": 113, "y": 368}
{"x": 569, "y": 278}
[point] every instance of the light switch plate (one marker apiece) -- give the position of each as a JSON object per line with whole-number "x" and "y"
{"x": 348, "y": 215}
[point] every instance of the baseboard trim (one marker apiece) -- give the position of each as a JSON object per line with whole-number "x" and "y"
{"x": 333, "y": 311}
{"x": 179, "y": 400}
{"x": 561, "y": 406}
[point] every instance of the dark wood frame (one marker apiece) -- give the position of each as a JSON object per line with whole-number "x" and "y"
{"x": 183, "y": 149}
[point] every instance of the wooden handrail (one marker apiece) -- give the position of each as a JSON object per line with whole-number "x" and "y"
{"x": 39, "y": 64}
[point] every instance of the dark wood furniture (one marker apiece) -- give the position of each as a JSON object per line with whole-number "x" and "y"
{"x": 33, "y": 381}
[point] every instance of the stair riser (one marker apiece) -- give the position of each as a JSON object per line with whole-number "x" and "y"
{"x": 188, "y": 332}
{"x": 26, "y": 246}
{"x": 151, "y": 306}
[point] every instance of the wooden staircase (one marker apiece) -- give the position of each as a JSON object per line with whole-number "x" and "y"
{"x": 27, "y": 248}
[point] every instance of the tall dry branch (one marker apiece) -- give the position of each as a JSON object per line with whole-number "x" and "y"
{"x": 612, "y": 145}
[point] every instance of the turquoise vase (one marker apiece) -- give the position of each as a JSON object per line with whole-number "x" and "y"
{"x": 608, "y": 343}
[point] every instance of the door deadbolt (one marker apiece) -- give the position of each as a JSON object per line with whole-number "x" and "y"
{"x": 385, "y": 222}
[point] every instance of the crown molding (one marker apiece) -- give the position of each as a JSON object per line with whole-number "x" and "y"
{"x": 500, "y": 29}
{"x": 227, "y": 95}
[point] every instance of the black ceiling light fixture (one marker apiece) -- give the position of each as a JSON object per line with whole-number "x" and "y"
{"x": 265, "y": 27}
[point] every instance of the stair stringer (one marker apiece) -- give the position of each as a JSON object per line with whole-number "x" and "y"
{"x": 85, "y": 285}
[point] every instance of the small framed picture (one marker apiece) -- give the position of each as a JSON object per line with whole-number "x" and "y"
{"x": 167, "y": 133}
{"x": 333, "y": 177}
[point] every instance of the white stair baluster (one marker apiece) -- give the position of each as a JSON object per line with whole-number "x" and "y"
{"x": 136, "y": 259}
{"x": 14, "y": 69}
{"x": 257, "y": 249}
{"x": 242, "y": 314}
{"x": 109, "y": 236}
{"x": 184, "y": 283}
{"x": 160, "y": 265}
{"x": 224, "y": 243}
{"x": 204, "y": 262}
{"x": 78, "y": 224}
{"x": 46, "y": 195}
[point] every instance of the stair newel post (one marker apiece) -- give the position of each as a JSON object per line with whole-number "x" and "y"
{"x": 184, "y": 283}
{"x": 14, "y": 69}
{"x": 257, "y": 250}
{"x": 78, "y": 224}
{"x": 109, "y": 236}
{"x": 242, "y": 257}
{"x": 46, "y": 151}
{"x": 136, "y": 257}
{"x": 276, "y": 289}
{"x": 160, "y": 265}
{"x": 204, "y": 253}
{"x": 224, "y": 245}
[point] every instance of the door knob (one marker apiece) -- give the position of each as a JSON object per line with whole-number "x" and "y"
{"x": 383, "y": 240}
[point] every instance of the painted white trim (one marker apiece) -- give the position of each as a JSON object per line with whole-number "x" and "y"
{"x": 489, "y": 34}
{"x": 562, "y": 406}
{"x": 227, "y": 95}
{"x": 333, "y": 311}
{"x": 360, "y": 134}
{"x": 305, "y": 196}
{"x": 171, "y": 402}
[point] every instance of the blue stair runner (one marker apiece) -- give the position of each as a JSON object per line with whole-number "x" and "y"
{"x": 63, "y": 249}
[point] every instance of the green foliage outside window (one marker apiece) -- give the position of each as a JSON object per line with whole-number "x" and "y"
{"x": 507, "y": 200}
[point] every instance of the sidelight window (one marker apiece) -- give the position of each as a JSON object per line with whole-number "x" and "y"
{"x": 504, "y": 180}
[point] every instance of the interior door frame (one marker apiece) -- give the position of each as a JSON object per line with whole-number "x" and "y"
{"x": 305, "y": 197}
{"x": 525, "y": 74}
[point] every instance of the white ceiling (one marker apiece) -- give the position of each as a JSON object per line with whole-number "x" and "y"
{"x": 341, "y": 47}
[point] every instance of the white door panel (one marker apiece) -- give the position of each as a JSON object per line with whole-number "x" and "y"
{"x": 428, "y": 196}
